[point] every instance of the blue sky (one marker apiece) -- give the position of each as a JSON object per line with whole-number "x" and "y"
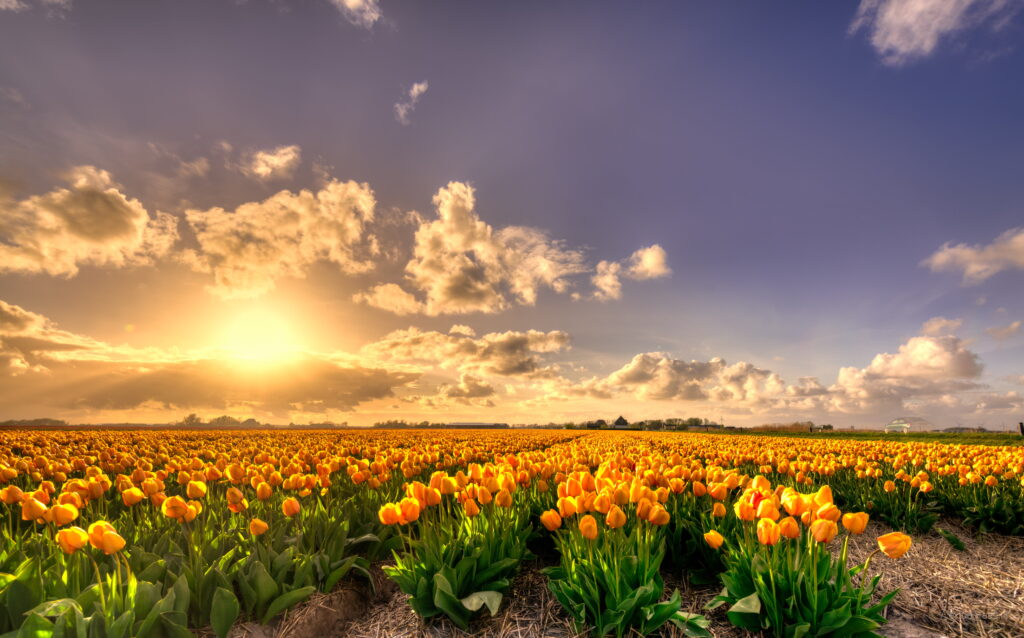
{"x": 770, "y": 186}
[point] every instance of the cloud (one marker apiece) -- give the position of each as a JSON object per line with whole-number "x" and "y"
{"x": 606, "y": 281}
{"x": 938, "y": 326}
{"x": 646, "y": 263}
{"x": 276, "y": 163}
{"x": 1001, "y": 333}
{"x": 390, "y": 297}
{"x": 461, "y": 264}
{"x": 978, "y": 263}
{"x": 361, "y": 13}
{"x": 45, "y": 365}
{"x": 468, "y": 387}
{"x": 405, "y": 108}
{"x": 511, "y": 353}
{"x": 649, "y": 263}
{"x": 903, "y": 31}
{"x": 90, "y": 222}
{"x": 10, "y": 95}
{"x": 247, "y": 250}
{"x": 57, "y": 6}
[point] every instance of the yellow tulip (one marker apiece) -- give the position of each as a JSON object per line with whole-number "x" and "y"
{"x": 823, "y": 530}
{"x": 856, "y": 523}
{"x": 615, "y": 518}
{"x": 588, "y": 527}
{"x": 196, "y": 489}
{"x": 789, "y": 528}
{"x": 64, "y": 514}
{"x": 72, "y": 539}
{"x": 768, "y": 531}
{"x": 131, "y": 496}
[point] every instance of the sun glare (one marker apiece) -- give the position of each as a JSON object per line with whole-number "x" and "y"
{"x": 260, "y": 334}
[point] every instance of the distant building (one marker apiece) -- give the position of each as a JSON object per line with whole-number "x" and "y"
{"x": 596, "y": 425}
{"x": 906, "y": 424}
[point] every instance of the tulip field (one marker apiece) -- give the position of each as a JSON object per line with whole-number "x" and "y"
{"x": 167, "y": 533}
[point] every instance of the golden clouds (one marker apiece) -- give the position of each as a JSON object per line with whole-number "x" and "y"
{"x": 89, "y": 222}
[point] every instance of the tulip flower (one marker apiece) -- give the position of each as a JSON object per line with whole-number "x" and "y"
{"x": 410, "y": 509}
{"x": 389, "y": 514}
{"x": 503, "y": 499}
{"x": 72, "y": 539}
{"x": 290, "y": 507}
{"x": 894, "y": 544}
{"x": 588, "y": 527}
{"x": 855, "y": 523}
{"x": 615, "y": 518}
{"x": 32, "y": 509}
{"x": 551, "y": 520}
{"x": 768, "y": 531}
{"x": 174, "y": 507}
{"x": 196, "y": 489}
{"x": 264, "y": 491}
{"x": 828, "y": 511}
{"x": 714, "y": 539}
{"x": 63, "y": 514}
{"x": 131, "y": 496}
{"x": 470, "y": 507}
{"x": 103, "y": 537}
{"x": 258, "y": 527}
{"x": 789, "y": 528}
{"x": 718, "y": 511}
{"x": 658, "y": 516}
{"x": 823, "y": 530}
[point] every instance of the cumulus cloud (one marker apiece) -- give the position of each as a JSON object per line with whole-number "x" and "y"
{"x": 511, "y": 353}
{"x": 938, "y": 326}
{"x": 1001, "y": 333}
{"x": 646, "y": 263}
{"x": 404, "y": 108}
{"x": 247, "y": 250}
{"x": 468, "y": 387}
{"x": 275, "y": 163}
{"x": 461, "y": 264}
{"x": 58, "y": 6}
{"x": 361, "y": 13}
{"x": 977, "y": 262}
{"x": 902, "y": 31}
{"x": 91, "y": 222}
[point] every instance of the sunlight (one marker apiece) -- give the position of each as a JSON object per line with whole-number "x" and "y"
{"x": 260, "y": 334}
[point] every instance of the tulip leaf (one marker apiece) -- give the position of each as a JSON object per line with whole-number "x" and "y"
{"x": 287, "y": 600}
{"x": 224, "y": 611}
{"x": 474, "y": 601}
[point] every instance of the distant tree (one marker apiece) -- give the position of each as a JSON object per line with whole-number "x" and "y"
{"x": 192, "y": 421}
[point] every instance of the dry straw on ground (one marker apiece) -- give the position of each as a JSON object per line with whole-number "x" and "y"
{"x": 978, "y": 592}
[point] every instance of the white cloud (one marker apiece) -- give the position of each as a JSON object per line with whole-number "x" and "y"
{"x": 938, "y": 326}
{"x": 1001, "y": 333}
{"x": 649, "y": 263}
{"x": 90, "y": 222}
{"x": 461, "y": 264}
{"x": 51, "y": 5}
{"x": 404, "y": 108}
{"x": 902, "y": 31}
{"x": 249, "y": 249}
{"x": 468, "y": 387}
{"x": 606, "y": 281}
{"x": 276, "y": 163}
{"x": 510, "y": 353}
{"x": 362, "y": 13}
{"x": 645, "y": 263}
{"x": 978, "y": 263}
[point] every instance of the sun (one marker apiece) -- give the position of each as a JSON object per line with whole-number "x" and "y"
{"x": 260, "y": 334}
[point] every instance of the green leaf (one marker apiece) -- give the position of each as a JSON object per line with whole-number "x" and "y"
{"x": 36, "y": 627}
{"x": 265, "y": 587}
{"x": 285, "y": 601}
{"x": 175, "y": 624}
{"x": 122, "y": 627}
{"x": 224, "y": 611}
{"x": 749, "y": 605}
{"x": 474, "y": 601}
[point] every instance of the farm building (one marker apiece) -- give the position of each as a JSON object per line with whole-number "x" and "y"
{"x": 905, "y": 424}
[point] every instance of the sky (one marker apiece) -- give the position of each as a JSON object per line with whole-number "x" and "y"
{"x": 531, "y": 212}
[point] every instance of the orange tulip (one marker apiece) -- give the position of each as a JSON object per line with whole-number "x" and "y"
{"x": 718, "y": 510}
{"x": 410, "y": 509}
{"x": 103, "y": 537}
{"x": 196, "y": 489}
{"x": 823, "y": 530}
{"x": 789, "y": 528}
{"x": 174, "y": 507}
{"x": 64, "y": 514}
{"x": 389, "y": 514}
{"x": 855, "y": 523}
{"x": 551, "y": 520}
{"x": 470, "y": 507}
{"x": 615, "y": 518}
{"x": 264, "y": 491}
{"x": 658, "y": 516}
{"x": 828, "y": 511}
{"x": 290, "y": 507}
{"x": 713, "y": 539}
{"x": 258, "y": 527}
{"x": 588, "y": 527}
{"x": 768, "y": 531}
{"x": 894, "y": 544}
{"x": 32, "y": 509}
{"x": 131, "y": 496}
{"x": 503, "y": 499}
{"x": 72, "y": 539}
